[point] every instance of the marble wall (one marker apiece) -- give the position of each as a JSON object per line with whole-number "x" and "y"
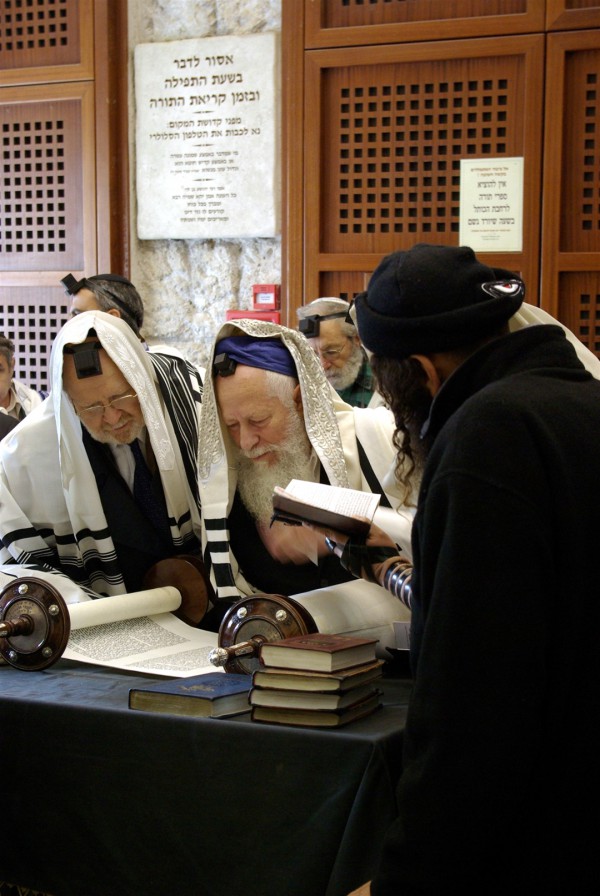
{"x": 188, "y": 285}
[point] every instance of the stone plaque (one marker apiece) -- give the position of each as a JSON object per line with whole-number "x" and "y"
{"x": 207, "y": 138}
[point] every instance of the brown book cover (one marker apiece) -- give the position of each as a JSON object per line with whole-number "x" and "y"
{"x": 317, "y": 718}
{"x": 342, "y": 509}
{"x": 318, "y": 652}
{"x": 320, "y": 682}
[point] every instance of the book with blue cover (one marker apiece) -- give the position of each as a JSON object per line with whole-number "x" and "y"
{"x": 211, "y": 695}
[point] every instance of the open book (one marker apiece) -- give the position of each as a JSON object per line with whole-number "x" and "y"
{"x": 342, "y": 509}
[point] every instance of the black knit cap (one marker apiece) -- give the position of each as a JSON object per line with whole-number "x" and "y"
{"x": 434, "y": 299}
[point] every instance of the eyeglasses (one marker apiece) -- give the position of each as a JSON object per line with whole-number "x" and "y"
{"x": 97, "y": 410}
{"x": 330, "y": 353}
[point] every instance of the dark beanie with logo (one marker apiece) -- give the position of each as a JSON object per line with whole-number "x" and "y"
{"x": 434, "y": 299}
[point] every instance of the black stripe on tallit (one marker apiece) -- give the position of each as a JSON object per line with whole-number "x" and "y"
{"x": 369, "y": 474}
{"x": 175, "y": 379}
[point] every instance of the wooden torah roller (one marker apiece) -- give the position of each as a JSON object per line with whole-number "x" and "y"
{"x": 186, "y": 573}
{"x": 34, "y": 624}
{"x": 252, "y": 621}
{"x": 34, "y": 618}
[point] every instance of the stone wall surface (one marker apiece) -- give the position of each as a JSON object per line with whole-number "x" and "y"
{"x": 188, "y": 285}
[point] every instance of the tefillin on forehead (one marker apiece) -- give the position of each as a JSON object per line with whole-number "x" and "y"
{"x": 311, "y": 326}
{"x": 85, "y": 357}
{"x": 265, "y": 353}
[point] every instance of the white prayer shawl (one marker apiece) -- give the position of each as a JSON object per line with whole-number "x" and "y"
{"x": 50, "y": 509}
{"x": 353, "y": 445}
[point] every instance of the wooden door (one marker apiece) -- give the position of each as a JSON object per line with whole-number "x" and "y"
{"x": 63, "y": 198}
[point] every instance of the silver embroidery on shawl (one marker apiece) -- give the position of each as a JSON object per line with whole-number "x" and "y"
{"x": 319, "y": 415}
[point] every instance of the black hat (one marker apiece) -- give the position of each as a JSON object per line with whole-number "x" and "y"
{"x": 434, "y": 299}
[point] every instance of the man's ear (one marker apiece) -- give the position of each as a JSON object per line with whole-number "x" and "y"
{"x": 297, "y": 399}
{"x": 433, "y": 378}
{"x": 114, "y": 311}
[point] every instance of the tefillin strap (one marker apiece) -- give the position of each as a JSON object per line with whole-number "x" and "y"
{"x": 311, "y": 326}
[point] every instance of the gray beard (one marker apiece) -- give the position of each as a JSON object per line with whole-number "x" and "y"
{"x": 341, "y": 379}
{"x": 256, "y": 480}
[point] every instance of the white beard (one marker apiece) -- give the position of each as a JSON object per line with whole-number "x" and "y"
{"x": 256, "y": 480}
{"x": 341, "y": 379}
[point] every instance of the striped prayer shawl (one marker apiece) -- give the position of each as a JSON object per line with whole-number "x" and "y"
{"x": 353, "y": 445}
{"x": 50, "y": 510}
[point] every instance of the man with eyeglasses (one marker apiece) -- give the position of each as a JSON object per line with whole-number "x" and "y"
{"x": 100, "y": 482}
{"x": 331, "y": 333}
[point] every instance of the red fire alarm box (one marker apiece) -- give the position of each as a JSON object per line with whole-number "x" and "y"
{"x": 265, "y": 296}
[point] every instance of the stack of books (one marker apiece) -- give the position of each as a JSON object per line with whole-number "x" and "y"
{"x": 323, "y": 681}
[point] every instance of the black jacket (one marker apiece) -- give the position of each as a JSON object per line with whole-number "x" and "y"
{"x": 501, "y": 789}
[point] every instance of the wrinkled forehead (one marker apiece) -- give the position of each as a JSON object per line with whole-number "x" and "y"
{"x": 330, "y": 331}
{"x": 244, "y": 384}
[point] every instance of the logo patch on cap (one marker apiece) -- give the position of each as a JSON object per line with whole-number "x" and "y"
{"x": 503, "y": 289}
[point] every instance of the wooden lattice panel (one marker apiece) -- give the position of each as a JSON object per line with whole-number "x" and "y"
{"x": 580, "y": 195}
{"x": 386, "y": 129}
{"x": 571, "y": 209}
{"x": 343, "y": 284}
{"x": 393, "y": 140}
{"x": 579, "y": 306}
{"x": 41, "y": 186}
{"x": 344, "y": 13}
{"x": 331, "y": 23}
{"x": 38, "y": 32}
{"x": 561, "y": 14}
{"x": 32, "y": 319}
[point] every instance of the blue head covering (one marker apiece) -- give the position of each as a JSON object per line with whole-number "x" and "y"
{"x": 266, "y": 354}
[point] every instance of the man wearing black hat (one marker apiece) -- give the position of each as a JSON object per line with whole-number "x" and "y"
{"x": 500, "y": 788}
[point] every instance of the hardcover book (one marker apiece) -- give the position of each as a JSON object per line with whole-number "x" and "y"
{"x": 343, "y": 509}
{"x": 214, "y": 695}
{"x": 321, "y": 682}
{"x": 309, "y": 700}
{"x": 317, "y": 718}
{"x": 318, "y": 652}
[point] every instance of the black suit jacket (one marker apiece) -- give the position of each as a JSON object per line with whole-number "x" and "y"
{"x": 6, "y": 424}
{"x": 137, "y": 542}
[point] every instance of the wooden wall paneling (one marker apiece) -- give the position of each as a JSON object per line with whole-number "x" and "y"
{"x": 31, "y": 315}
{"x": 565, "y": 14}
{"x": 112, "y": 142}
{"x": 292, "y": 83}
{"x": 48, "y": 188}
{"x": 47, "y": 212}
{"x": 343, "y": 23}
{"x": 571, "y": 210}
{"x": 46, "y": 40}
{"x": 385, "y": 130}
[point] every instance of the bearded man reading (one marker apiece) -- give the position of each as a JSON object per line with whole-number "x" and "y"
{"x": 269, "y": 415}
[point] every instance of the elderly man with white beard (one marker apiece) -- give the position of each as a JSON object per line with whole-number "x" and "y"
{"x": 331, "y": 332}
{"x": 269, "y": 416}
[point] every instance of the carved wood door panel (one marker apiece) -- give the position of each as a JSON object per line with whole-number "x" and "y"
{"x": 58, "y": 181}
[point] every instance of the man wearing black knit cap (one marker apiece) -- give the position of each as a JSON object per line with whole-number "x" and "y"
{"x": 500, "y": 789}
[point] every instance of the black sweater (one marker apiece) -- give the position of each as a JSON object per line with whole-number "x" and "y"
{"x": 501, "y": 790}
